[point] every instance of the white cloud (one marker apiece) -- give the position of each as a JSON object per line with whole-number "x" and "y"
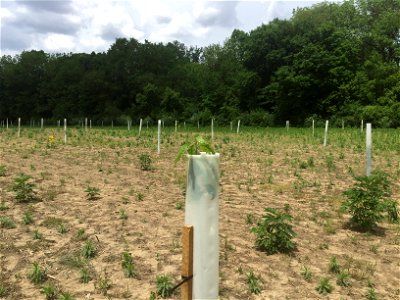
{"x": 58, "y": 42}
{"x": 93, "y": 25}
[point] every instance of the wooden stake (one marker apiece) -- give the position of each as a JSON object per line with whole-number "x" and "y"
{"x": 187, "y": 261}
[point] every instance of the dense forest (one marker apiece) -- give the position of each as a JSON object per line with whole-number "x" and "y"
{"x": 337, "y": 61}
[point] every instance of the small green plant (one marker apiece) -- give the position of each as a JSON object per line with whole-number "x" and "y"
{"x": 7, "y": 223}
{"x": 128, "y": 265}
{"x": 334, "y": 266}
{"x": 36, "y": 235}
{"x": 164, "y": 286}
{"x": 179, "y": 205}
{"x": 49, "y": 291}
{"x": 274, "y": 232}
{"x": 66, "y": 296}
{"x": 139, "y": 197}
{"x": 123, "y": 215}
{"x": 368, "y": 201}
{"x": 37, "y": 274}
{"x": 3, "y": 290}
{"x": 85, "y": 275}
{"x": 195, "y": 147}
{"x": 62, "y": 228}
{"x": 343, "y": 279}
{"x": 23, "y": 189}
{"x": 92, "y": 193}
{"x": 145, "y": 162}
{"x": 306, "y": 273}
{"x": 3, "y": 170}
{"x": 249, "y": 219}
{"x": 253, "y": 283}
{"x": 3, "y": 206}
{"x": 89, "y": 250}
{"x": 27, "y": 219}
{"x": 324, "y": 286}
{"x": 371, "y": 295}
{"x": 330, "y": 163}
{"x": 103, "y": 283}
{"x": 80, "y": 234}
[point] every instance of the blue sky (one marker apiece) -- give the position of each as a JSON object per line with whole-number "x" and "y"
{"x": 93, "y": 25}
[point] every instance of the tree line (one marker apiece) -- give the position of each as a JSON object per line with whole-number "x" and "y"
{"x": 337, "y": 61}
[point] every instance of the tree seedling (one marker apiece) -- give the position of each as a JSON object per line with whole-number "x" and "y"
{"x": 368, "y": 201}
{"x": 274, "y": 232}
{"x": 23, "y": 189}
{"x": 195, "y": 147}
{"x": 92, "y": 193}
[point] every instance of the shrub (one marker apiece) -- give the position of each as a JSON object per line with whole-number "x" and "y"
{"x": 368, "y": 201}
{"x": 164, "y": 286}
{"x": 145, "y": 162}
{"x": 23, "y": 189}
{"x": 274, "y": 233}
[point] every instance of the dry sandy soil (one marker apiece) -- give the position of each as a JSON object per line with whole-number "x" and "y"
{"x": 259, "y": 169}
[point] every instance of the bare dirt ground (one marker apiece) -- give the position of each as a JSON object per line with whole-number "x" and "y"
{"x": 267, "y": 168}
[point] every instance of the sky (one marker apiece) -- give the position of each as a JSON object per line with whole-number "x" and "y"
{"x": 64, "y": 26}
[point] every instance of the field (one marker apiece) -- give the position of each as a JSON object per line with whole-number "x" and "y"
{"x": 93, "y": 202}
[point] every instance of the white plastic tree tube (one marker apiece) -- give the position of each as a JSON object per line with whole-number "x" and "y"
{"x": 140, "y": 126}
{"x": 212, "y": 129}
{"x": 7, "y": 123}
{"x": 159, "y": 136}
{"x": 238, "y": 127}
{"x": 231, "y": 125}
{"x": 41, "y": 123}
{"x": 326, "y": 132}
{"x": 201, "y": 211}
{"x": 362, "y": 126}
{"x": 287, "y": 125}
{"x": 369, "y": 148}
{"x": 19, "y": 127}
{"x": 313, "y": 127}
{"x": 65, "y": 131}
{"x": 85, "y": 124}
{"x": 176, "y": 125}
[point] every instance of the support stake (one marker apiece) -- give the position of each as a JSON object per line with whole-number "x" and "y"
{"x": 187, "y": 261}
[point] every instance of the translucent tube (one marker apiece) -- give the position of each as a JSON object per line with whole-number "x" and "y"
{"x": 201, "y": 211}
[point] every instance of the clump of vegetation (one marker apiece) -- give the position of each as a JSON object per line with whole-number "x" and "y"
{"x": 306, "y": 273}
{"x": 92, "y": 193}
{"x": 145, "y": 161}
{"x": 27, "y": 219}
{"x": 3, "y": 206}
{"x": 324, "y": 286}
{"x": 195, "y": 147}
{"x": 37, "y": 274}
{"x": 368, "y": 201}
{"x": 50, "y": 291}
{"x": 274, "y": 233}
{"x": 6, "y": 222}
{"x": 3, "y": 170}
{"x": 334, "y": 266}
{"x": 66, "y": 296}
{"x": 23, "y": 189}
{"x": 343, "y": 279}
{"x": 89, "y": 250}
{"x": 85, "y": 276}
{"x": 164, "y": 286}
{"x": 3, "y": 290}
{"x": 253, "y": 282}
{"x": 128, "y": 265}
